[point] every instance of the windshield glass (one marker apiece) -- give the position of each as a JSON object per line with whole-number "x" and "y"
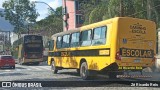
{"x": 33, "y": 47}
{"x": 6, "y": 57}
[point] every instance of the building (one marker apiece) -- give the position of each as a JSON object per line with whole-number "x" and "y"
{"x": 73, "y": 17}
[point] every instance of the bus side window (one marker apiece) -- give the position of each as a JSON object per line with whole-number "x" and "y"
{"x": 99, "y": 36}
{"x": 51, "y": 44}
{"x": 86, "y": 38}
{"x": 65, "y": 41}
{"x": 75, "y": 39}
{"x": 59, "y": 42}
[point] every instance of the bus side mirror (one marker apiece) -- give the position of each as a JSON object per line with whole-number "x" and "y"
{"x": 49, "y": 43}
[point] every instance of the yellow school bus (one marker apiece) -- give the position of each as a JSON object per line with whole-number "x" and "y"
{"x": 111, "y": 46}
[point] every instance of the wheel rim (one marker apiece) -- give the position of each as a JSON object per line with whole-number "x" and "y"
{"x": 83, "y": 71}
{"x": 52, "y": 67}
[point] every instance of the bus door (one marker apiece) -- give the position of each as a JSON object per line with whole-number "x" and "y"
{"x": 20, "y": 51}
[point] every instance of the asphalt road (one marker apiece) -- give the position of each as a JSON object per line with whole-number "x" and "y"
{"x": 35, "y": 73}
{"x": 42, "y": 73}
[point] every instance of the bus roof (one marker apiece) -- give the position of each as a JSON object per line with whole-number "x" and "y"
{"x": 108, "y": 21}
{"x": 65, "y": 32}
{"x": 32, "y": 35}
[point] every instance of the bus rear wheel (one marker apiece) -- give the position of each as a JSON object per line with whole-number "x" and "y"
{"x": 53, "y": 68}
{"x": 84, "y": 73}
{"x": 36, "y": 63}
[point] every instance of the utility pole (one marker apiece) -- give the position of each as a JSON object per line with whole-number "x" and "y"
{"x": 66, "y": 15}
{"x": 121, "y": 13}
{"x": 149, "y": 2}
{"x": 28, "y": 28}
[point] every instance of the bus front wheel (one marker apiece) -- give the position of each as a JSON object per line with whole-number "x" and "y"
{"x": 84, "y": 73}
{"x": 53, "y": 68}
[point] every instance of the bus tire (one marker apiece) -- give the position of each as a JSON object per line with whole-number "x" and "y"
{"x": 53, "y": 68}
{"x": 36, "y": 63}
{"x": 84, "y": 73}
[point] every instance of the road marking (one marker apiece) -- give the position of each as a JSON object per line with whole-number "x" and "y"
{"x": 45, "y": 67}
{"x": 18, "y": 69}
{"x": 2, "y": 73}
{"x": 7, "y": 70}
{"x": 36, "y": 68}
{"x": 28, "y": 68}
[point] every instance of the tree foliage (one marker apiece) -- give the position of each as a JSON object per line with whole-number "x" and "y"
{"x": 51, "y": 24}
{"x": 97, "y": 10}
{"x": 20, "y": 12}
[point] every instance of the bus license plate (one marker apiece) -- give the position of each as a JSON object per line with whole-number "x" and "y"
{"x": 6, "y": 65}
{"x": 137, "y": 60}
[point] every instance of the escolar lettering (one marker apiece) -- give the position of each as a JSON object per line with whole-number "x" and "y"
{"x": 136, "y": 53}
{"x": 65, "y": 53}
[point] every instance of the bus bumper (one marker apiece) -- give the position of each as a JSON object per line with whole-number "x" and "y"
{"x": 32, "y": 60}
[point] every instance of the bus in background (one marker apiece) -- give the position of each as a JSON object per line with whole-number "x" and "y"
{"x": 28, "y": 49}
{"x": 111, "y": 46}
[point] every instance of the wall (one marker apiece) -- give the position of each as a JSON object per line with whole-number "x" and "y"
{"x": 71, "y": 11}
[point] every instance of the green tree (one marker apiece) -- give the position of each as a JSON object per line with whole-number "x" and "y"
{"x": 95, "y": 16}
{"x": 18, "y": 12}
{"x": 94, "y": 10}
{"x": 51, "y": 24}
{"x": 86, "y": 7}
{"x": 156, "y": 8}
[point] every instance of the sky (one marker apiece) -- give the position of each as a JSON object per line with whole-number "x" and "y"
{"x": 42, "y": 9}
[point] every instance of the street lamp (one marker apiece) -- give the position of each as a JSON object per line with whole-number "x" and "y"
{"x": 46, "y": 4}
{"x": 56, "y": 13}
